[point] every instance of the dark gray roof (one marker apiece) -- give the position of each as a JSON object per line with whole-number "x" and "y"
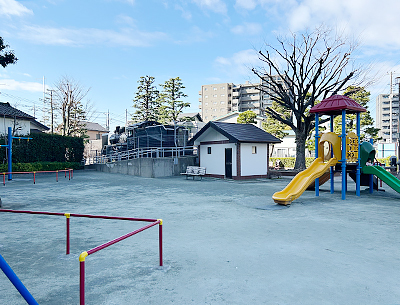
{"x": 8, "y": 111}
{"x": 94, "y": 126}
{"x": 245, "y": 133}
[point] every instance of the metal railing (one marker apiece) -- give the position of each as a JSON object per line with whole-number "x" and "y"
{"x": 149, "y": 152}
{"x": 84, "y": 254}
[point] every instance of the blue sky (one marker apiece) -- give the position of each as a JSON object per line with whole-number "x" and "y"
{"x": 106, "y": 45}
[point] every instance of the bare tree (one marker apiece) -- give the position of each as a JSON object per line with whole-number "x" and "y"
{"x": 302, "y": 71}
{"x": 73, "y": 110}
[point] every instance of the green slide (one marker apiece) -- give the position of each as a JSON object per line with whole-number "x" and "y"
{"x": 385, "y": 176}
{"x": 367, "y": 151}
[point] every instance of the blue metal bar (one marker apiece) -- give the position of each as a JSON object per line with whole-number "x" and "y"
{"x": 371, "y": 177}
{"x": 17, "y": 282}
{"x": 344, "y": 184}
{"x": 316, "y": 151}
{"x": 358, "y": 172}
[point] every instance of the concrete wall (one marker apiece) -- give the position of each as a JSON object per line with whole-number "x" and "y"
{"x": 147, "y": 167}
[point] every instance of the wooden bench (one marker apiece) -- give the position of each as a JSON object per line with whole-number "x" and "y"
{"x": 194, "y": 171}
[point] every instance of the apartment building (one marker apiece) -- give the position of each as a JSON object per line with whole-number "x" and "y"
{"x": 387, "y": 117}
{"x": 217, "y": 100}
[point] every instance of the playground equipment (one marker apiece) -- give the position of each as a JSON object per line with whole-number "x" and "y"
{"x": 69, "y": 170}
{"x": 9, "y": 150}
{"x": 368, "y": 152}
{"x": 343, "y": 149}
{"x": 83, "y": 255}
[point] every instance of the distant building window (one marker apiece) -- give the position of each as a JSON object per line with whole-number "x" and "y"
{"x": 222, "y": 102}
{"x": 97, "y": 136}
{"x": 205, "y": 89}
{"x": 209, "y": 150}
{"x": 223, "y": 88}
{"x": 215, "y": 95}
{"x": 215, "y": 88}
{"x": 254, "y": 149}
{"x": 206, "y": 96}
{"x": 222, "y": 94}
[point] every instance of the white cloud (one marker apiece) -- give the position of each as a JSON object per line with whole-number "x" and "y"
{"x": 11, "y": 84}
{"x": 247, "y": 28}
{"x": 13, "y": 8}
{"x": 216, "y": 6}
{"x": 246, "y": 4}
{"x": 239, "y": 63}
{"x": 375, "y": 21}
{"x": 185, "y": 13}
{"x": 78, "y": 37}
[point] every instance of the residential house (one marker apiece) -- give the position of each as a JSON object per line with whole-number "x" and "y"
{"x": 20, "y": 122}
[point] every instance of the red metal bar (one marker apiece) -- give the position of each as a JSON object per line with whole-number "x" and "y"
{"x": 34, "y": 178}
{"x": 98, "y": 248}
{"x": 69, "y": 175}
{"x": 160, "y": 242}
{"x": 4, "y": 179}
{"x": 113, "y": 217}
{"x": 67, "y": 240}
{"x": 82, "y": 283}
{"x": 31, "y": 212}
{"x": 57, "y": 176}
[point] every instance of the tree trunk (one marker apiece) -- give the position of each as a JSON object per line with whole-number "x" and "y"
{"x": 300, "y": 151}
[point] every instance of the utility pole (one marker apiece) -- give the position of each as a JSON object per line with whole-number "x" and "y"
{"x": 51, "y": 110}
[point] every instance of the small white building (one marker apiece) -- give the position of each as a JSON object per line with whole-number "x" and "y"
{"x": 237, "y": 151}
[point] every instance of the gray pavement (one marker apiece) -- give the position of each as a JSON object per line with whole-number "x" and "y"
{"x": 225, "y": 242}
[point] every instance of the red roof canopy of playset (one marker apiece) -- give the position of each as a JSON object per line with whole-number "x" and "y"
{"x": 335, "y": 104}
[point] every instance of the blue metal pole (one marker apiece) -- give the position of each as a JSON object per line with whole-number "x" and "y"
{"x": 9, "y": 153}
{"x": 17, "y": 282}
{"x": 371, "y": 177}
{"x": 332, "y": 169}
{"x": 343, "y": 154}
{"x": 358, "y": 173}
{"x": 316, "y": 151}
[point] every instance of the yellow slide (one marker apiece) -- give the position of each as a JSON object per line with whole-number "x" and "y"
{"x": 302, "y": 180}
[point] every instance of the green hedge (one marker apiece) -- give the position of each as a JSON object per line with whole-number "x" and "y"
{"x": 45, "y": 148}
{"x": 288, "y": 163}
{"x": 40, "y": 166}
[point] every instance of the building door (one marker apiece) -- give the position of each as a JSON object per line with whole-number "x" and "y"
{"x": 228, "y": 163}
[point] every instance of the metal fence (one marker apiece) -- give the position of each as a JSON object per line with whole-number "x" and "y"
{"x": 149, "y": 152}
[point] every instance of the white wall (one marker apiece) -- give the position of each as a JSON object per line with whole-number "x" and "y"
{"x": 253, "y": 164}
{"x": 22, "y": 127}
{"x": 215, "y": 162}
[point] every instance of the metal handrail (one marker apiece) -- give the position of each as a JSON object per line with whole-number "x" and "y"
{"x": 149, "y": 152}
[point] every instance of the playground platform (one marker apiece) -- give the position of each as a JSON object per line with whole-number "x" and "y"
{"x": 224, "y": 242}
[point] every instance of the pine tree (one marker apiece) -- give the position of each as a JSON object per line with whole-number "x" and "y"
{"x": 147, "y": 100}
{"x": 171, "y": 98}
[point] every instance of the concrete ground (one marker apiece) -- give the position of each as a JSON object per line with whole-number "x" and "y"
{"x": 225, "y": 242}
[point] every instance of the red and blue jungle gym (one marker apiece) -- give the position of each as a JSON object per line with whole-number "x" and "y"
{"x": 333, "y": 150}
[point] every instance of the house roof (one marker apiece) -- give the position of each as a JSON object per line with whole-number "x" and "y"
{"x": 244, "y": 133}
{"x": 335, "y": 104}
{"x": 6, "y": 110}
{"x": 232, "y": 114}
{"x": 91, "y": 126}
